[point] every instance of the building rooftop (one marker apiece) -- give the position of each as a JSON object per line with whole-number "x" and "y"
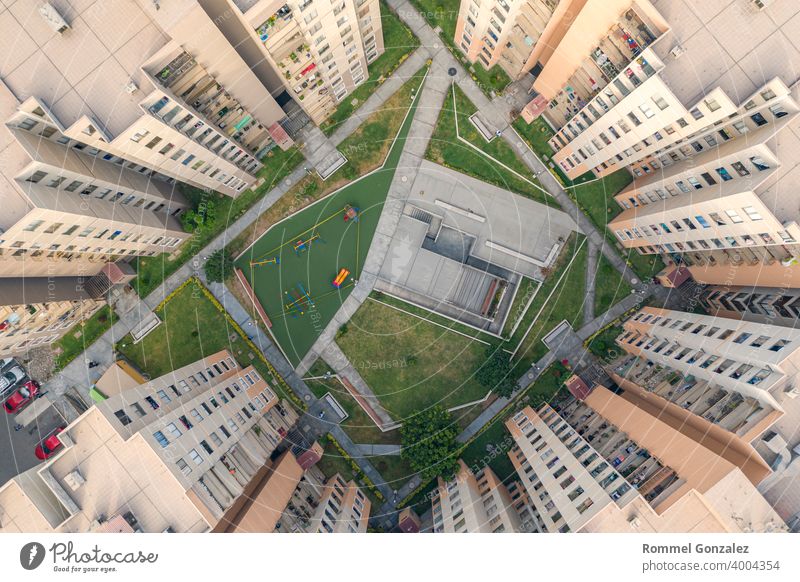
{"x": 728, "y": 45}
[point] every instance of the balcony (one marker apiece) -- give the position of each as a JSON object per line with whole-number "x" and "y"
{"x": 275, "y": 28}
{"x": 615, "y": 67}
{"x": 201, "y": 109}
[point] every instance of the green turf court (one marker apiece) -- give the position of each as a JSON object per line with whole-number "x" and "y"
{"x": 297, "y": 292}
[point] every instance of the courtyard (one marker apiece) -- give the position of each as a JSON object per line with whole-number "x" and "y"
{"x": 291, "y": 267}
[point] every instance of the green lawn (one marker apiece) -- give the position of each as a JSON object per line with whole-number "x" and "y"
{"x": 339, "y": 245}
{"x": 557, "y": 300}
{"x": 69, "y": 346}
{"x": 603, "y": 345}
{"x": 444, "y": 14}
{"x": 491, "y": 446}
{"x": 610, "y": 286}
{"x": 446, "y": 149}
{"x": 151, "y": 271}
{"x": 527, "y": 287}
{"x": 193, "y": 328}
{"x": 398, "y": 42}
{"x": 411, "y": 364}
{"x": 494, "y": 79}
{"x": 432, "y": 317}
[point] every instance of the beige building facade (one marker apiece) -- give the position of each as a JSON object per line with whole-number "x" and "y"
{"x": 607, "y": 465}
{"x": 320, "y": 49}
{"x": 172, "y": 454}
{"x": 476, "y": 503}
{"x": 755, "y": 360}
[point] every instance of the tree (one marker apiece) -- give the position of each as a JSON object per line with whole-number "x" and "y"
{"x": 495, "y": 373}
{"x": 219, "y": 266}
{"x": 429, "y": 444}
{"x": 203, "y": 218}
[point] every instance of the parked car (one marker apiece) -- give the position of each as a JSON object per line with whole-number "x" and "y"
{"x": 10, "y": 378}
{"x": 49, "y": 444}
{"x": 23, "y": 396}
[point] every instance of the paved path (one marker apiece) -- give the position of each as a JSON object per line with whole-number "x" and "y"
{"x": 592, "y": 261}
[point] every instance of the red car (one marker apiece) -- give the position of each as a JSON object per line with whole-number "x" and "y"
{"x": 49, "y": 445}
{"x": 23, "y": 396}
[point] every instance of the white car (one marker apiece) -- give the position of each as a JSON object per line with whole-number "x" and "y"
{"x": 10, "y": 379}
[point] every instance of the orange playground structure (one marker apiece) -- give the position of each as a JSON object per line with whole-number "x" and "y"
{"x": 340, "y": 278}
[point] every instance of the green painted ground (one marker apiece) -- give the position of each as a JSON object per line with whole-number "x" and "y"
{"x": 340, "y": 245}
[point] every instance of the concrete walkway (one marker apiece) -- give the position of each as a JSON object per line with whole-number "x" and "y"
{"x": 592, "y": 262}
{"x": 379, "y": 450}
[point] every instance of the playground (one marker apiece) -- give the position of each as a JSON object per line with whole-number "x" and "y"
{"x": 303, "y": 268}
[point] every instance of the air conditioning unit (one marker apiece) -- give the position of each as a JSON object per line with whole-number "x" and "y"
{"x": 74, "y": 480}
{"x": 677, "y": 51}
{"x": 53, "y": 18}
{"x": 759, "y": 5}
{"x": 793, "y": 392}
{"x": 634, "y": 522}
{"x": 131, "y": 88}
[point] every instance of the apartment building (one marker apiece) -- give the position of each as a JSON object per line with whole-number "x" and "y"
{"x": 604, "y": 464}
{"x": 105, "y": 108}
{"x": 755, "y": 360}
{"x": 728, "y": 214}
{"x": 476, "y": 503}
{"x": 506, "y": 32}
{"x": 36, "y": 311}
{"x": 644, "y": 84}
{"x": 172, "y": 454}
{"x": 295, "y": 497}
{"x": 320, "y": 50}
{"x": 342, "y": 508}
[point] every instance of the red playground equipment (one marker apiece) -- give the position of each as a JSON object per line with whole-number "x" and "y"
{"x": 350, "y": 214}
{"x": 340, "y": 278}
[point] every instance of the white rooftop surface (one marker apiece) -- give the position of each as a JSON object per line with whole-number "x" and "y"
{"x": 512, "y": 221}
{"x": 728, "y": 46}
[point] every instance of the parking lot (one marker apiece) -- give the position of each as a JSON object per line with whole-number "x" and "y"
{"x": 17, "y": 444}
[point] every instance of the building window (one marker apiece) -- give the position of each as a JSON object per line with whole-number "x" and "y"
{"x": 161, "y": 439}
{"x": 123, "y": 417}
{"x": 185, "y": 469}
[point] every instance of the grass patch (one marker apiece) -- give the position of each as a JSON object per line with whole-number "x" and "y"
{"x": 192, "y": 329}
{"x": 91, "y": 329}
{"x": 610, "y": 286}
{"x": 526, "y": 288}
{"x": 445, "y": 148}
{"x": 431, "y": 316}
{"x": 410, "y": 364}
{"x": 494, "y": 79}
{"x": 362, "y": 157}
{"x": 151, "y": 271}
{"x": 566, "y": 302}
{"x": 492, "y": 445}
{"x": 444, "y": 14}
{"x": 398, "y": 42}
{"x": 602, "y": 344}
